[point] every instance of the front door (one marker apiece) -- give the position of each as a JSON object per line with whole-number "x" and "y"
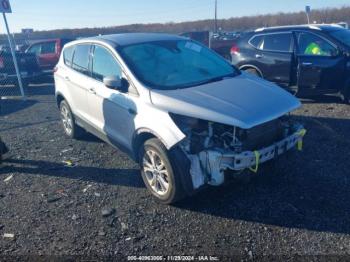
{"x": 111, "y": 111}
{"x": 320, "y": 64}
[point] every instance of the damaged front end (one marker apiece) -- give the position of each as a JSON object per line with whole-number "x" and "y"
{"x": 214, "y": 148}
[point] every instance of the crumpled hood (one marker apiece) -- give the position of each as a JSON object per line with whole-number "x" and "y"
{"x": 244, "y": 101}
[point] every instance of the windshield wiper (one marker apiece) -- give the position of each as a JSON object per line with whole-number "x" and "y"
{"x": 214, "y": 79}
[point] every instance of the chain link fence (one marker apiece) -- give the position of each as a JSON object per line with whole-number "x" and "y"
{"x": 10, "y": 84}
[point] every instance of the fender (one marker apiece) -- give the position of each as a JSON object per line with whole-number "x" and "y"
{"x": 139, "y": 132}
{"x": 57, "y": 94}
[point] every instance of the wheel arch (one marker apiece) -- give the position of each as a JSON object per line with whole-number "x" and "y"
{"x": 249, "y": 66}
{"x": 59, "y": 98}
{"x": 140, "y": 137}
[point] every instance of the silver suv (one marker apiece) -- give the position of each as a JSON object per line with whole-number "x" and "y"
{"x": 176, "y": 107}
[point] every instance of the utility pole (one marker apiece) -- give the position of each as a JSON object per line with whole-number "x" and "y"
{"x": 216, "y": 16}
{"x": 308, "y": 11}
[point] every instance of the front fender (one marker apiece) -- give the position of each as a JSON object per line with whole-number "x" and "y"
{"x": 158, "y": 123}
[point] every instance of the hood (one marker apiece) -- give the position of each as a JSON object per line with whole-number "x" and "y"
{"x": 244, "y": 101}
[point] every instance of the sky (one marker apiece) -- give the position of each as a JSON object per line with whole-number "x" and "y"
{"x": 58, "y": 14}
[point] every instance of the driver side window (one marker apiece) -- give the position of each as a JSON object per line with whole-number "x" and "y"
{"x": 313, "y": 45}
{"x": 104, "y": 64}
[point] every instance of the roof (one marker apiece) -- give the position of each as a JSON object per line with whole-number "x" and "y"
{"x": 135, "y": 38}
{"x": 318, "y": 27}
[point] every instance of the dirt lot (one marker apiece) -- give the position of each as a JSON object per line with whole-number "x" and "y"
{"x": 302, "y": 208}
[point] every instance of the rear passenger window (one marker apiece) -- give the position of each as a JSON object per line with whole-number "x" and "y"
{"x": 68, "y": 55}
{"x": 256, "y": 41}
{"x": 104, "y": 64}
{"x": 277, "y": 42}
{"x": 81, "y": 59}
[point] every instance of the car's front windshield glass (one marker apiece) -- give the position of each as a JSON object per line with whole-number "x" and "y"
{"x": 175, "y": 64}
{"x": 342, "y": 35}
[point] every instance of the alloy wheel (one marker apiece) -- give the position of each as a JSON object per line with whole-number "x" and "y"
{"x": 67, "y": 121}
{"x": 156, "y": 173}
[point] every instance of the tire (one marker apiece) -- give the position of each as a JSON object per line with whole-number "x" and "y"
{"x": 345, "y": 96}
{"x": 158, "y": 173}
{"x": 3, "y": 150}
{"x": 252, "y": 71}
{"x": 71, "y": 129}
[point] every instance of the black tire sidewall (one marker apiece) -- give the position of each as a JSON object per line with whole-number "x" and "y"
{"x": 346, "y": 95}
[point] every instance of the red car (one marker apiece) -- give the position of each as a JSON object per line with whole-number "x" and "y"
{"x": 48, "y": 52}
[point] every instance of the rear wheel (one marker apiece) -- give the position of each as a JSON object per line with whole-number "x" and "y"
{"x": 252, "y": 71}
{"x": 158, "y": 173}
{"x": 71, "y": 129}
{"x": 345, "y": 95}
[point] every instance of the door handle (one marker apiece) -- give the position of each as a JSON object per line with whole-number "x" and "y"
{"x": 92, "y": 91}
{"x": 67, "y": 78}
{"x": 259, "y": 56}
{"x": 307, "y": 64}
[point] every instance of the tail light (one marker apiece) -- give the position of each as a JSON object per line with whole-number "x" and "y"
{"x": 2, "y": 64}
{"x": 234, "y": 50}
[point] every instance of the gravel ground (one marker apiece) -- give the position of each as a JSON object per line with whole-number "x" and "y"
{"x": 99, "y": 207}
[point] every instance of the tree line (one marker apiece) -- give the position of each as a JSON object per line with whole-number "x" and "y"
{"x": 325, "y": 15}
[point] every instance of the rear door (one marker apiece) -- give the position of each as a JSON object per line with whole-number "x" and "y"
{"x": 77, "y": 78}
{"x": 48, "y": 56}
{"x": 320, "y": 63}
{"x": 274, "y": 55}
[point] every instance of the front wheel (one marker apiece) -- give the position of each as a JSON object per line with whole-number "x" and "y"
{"x": 158, "y": 173}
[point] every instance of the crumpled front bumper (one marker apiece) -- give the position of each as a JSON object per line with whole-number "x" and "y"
{"x": 251, "y": 159}
{"x": 216, "y": 161}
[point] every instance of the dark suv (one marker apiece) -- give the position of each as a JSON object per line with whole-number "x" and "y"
{"x": 308, "y": 60}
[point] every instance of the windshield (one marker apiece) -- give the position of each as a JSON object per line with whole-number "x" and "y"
{"x": 169, "y": 65}
{"x": 342, "y": 36}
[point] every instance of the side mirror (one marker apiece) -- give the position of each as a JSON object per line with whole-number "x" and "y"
{"x": 117, "y": 83}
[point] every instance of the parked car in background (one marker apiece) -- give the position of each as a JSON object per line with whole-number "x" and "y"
{"x": 28, "y": 67}
{"x": 307, "y": 59}
{"x": 178, "y": 108}
{"x": 48, "y": 52}
{"x": 221, "y": 42}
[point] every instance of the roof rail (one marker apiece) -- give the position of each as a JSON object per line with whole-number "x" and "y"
{"x": 260, "y": 29}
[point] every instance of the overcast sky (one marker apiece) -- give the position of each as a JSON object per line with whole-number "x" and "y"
{"x": 50, "y": 14}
